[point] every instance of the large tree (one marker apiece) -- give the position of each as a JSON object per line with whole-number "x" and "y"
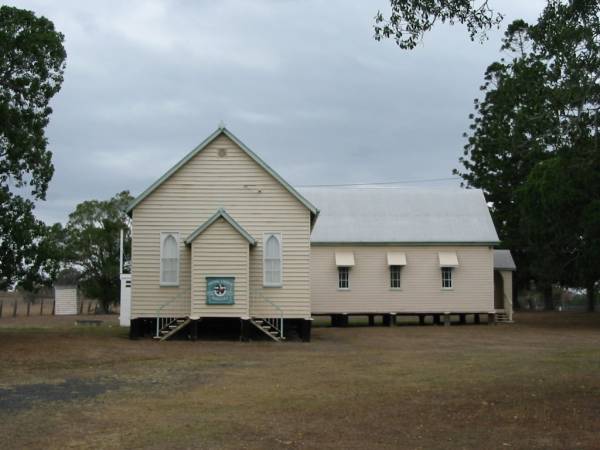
{"x": 92, "y": 245}
{"x": 32, "y": 62}
{"x": 511, "y": 131}
{"x": 408, "y": 20}
{"x": 560, "y": 204}
{"x": 20, "y": 233}
{"x": 567, "y": 188}
{"x": 535, "y": 134}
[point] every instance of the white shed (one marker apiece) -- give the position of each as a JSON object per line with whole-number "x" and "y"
{"x": 66, "y": 300}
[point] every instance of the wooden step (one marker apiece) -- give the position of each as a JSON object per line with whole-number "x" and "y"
{"x": 172, "y": 329}
{"x": 266, "y": 328}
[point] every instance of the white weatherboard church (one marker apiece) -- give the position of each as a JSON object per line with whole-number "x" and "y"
{"x": 221, "y": 237}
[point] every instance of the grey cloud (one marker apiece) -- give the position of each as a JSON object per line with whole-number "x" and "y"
{"x": 301, "y": 82}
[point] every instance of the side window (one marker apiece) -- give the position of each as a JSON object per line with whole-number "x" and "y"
{"x": 395, "y": 277}
{"x": 343, "y": 277}
{"x": 169, "y": 259}
{"x": 446, "y": 277}
{"x": 272, "y": 260}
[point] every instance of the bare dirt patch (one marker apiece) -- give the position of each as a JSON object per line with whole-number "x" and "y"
{"x": 26, "y": 396}
{"x": 534, "y": 384}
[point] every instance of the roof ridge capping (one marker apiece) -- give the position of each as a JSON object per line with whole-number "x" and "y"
{"x": 371, "y": 188}
{"x": 220, "y": 214}
{"x": 223, "y": 130}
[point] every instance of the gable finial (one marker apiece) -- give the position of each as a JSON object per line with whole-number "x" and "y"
{"x": 221, "y": 125}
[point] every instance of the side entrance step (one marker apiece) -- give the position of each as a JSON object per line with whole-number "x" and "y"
{"x": 268, "y": 328}
{"x": 171, "y": 328}
{"x": 503, "y": 318}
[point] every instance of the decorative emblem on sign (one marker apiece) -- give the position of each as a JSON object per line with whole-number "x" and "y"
{"x": 219, "y": 290}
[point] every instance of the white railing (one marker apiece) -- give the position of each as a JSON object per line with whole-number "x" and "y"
{"x": 162, "y": 322}
{"x": 275, "y": 322}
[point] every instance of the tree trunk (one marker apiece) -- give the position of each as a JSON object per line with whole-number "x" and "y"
{"x": 590, "y": 297}
{"x": 548, "y": 301}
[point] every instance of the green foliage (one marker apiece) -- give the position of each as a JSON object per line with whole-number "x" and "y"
{"x": 409, "y": 20}
{"x": 92, "y": 245}
{"x": 32, "y": 61}
{"x": 533, "y": 145}
{"x": 511, "y": 132}
{"x": 19, "y": 231}
{"x": 48, "y": 254}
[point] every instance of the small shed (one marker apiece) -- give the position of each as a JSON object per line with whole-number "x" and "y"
{"x": 66, "y": 299}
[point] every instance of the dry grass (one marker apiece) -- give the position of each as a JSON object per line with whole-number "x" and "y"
{"x": 534, "y": 384}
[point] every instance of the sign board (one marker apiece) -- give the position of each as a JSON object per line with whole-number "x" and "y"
{"x": 219, "y": 290}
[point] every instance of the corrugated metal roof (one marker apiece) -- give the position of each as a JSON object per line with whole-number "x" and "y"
{"x": 401, "y": 215}
{"x": 503, "y": 260}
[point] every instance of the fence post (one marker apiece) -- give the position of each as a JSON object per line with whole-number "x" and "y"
{"x": 15, "y": 308}
{"x": 53, "y": 306}
{"x": 1, "y": 307}
{"x": 81, "y": 308}
{"x": 89, "y": 307}
{"x": 28, "y": 308}
{"x": 42, "y": 307}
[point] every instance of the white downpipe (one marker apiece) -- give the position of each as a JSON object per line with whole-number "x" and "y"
{"x": 121, "y": 252}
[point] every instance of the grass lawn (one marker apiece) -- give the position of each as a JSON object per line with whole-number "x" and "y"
{"x": 533, "y": 384}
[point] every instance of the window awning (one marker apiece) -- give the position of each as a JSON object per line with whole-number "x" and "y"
{"x": 344, "y": 259}
{"x": 448, "y": 259}
{"x": 396, "y": 259}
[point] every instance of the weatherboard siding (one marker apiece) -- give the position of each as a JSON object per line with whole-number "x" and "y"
{"x": 420, "y": 280}
{"x": 258, "y": 202}
{"x": 220, "y": 251}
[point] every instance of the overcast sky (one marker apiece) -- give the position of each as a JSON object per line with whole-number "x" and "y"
{"x": 301, "y": 82}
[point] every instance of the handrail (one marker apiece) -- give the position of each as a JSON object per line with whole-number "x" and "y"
{"x": 276, "y": 323}
{"x": 161, "y": 307}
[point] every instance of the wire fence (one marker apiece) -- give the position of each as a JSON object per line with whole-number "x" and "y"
{"x": 16, "y": 306}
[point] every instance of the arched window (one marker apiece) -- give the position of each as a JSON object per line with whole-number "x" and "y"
{"x": 169, "y": 259}
{"x": 272, "y": 260}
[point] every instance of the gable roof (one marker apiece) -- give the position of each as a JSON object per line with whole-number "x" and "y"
{"x": 220, "y": 214}
{"x": 403, "y": 215}
{"x": 503, "y": 260}
{"x": 202, "y": 146}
